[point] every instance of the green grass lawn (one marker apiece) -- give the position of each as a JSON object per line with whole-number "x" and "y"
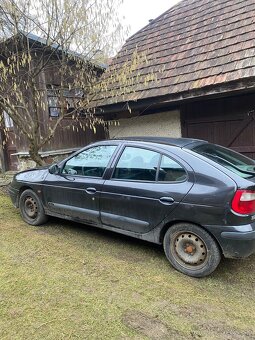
{"x": 67, "y": 281}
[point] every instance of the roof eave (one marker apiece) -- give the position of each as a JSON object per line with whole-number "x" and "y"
{"x": 219, "y": 90}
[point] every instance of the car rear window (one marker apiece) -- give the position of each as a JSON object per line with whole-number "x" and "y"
{"x": 233, "y": 161}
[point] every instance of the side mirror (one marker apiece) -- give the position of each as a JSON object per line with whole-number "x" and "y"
{"x": 54, "y": 169}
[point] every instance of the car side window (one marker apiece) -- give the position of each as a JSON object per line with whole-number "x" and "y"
{"x": 91, "y": 162}
{"x": 171, "y": 171}
{"x": 137, "y": 164}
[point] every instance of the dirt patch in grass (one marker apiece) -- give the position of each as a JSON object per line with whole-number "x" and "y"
{"x": 149, "y": 326}
{"x": 222, "y": 330}
{"x": 212, "y": 328}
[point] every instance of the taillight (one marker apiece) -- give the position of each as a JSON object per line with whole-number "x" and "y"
{"x": 244, "y": 202}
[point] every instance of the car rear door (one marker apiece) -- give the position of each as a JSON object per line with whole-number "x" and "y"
{"x": 145, "y": 187}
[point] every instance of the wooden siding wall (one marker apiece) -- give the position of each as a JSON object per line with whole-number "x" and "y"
{"x": 68, "y": 134}
{"x": 227, "y": 121}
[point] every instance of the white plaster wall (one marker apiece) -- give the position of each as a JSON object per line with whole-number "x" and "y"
{"x": 164, "y": 124}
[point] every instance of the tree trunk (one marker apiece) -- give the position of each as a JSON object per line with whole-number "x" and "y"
{"x": 34, "y": 154}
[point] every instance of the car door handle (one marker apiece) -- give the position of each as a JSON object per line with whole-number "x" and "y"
{"x": 166, "y": 200}
{"x": 91, "y": 191}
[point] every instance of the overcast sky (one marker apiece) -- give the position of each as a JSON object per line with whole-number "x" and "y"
{"x": 137, "y": 13}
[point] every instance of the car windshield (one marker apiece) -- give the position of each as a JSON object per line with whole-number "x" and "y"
{"x": 233, "y": 161}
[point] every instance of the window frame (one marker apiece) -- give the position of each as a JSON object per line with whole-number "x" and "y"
{"x": 161, "y": 154}
{"x": 87, "y": 148}
{"x": 53, "y": 94}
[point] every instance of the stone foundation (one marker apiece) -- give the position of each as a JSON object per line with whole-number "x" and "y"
{"x": 25, "y": 162}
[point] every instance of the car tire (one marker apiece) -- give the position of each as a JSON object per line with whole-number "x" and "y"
{"x": 31, "y": 208}
{"x": 191, "y": 250}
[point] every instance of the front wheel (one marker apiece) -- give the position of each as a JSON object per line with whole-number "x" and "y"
{"x": 191, "y": 250}
{"x": 31, "y": 208}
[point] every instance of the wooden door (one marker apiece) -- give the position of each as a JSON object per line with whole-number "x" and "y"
{"x": 227, "y": 122}
{"x": 12, "y": 160}
{"x": 8, "y": 144}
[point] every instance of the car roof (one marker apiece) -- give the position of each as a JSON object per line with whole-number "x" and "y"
{"x": 181, "y": 142}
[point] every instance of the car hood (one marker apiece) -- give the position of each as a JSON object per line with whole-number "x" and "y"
{"x": 32, "y": 175}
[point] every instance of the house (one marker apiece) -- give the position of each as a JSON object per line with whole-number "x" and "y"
{"x": 71, "y": 134}
{"x": 197, "y": 80}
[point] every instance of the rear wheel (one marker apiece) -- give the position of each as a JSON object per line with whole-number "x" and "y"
{"x": 191, "y": 250}
{"x": 31, "y": 208}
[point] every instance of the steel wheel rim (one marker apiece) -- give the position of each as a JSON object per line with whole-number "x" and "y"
{"x": 30, "y": 207}
{"x": 189, "y": 250}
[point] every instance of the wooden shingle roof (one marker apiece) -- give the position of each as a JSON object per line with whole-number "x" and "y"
{"x": 197, "y": 44}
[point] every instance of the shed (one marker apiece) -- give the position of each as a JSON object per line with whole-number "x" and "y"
{"x": 70, "y": 134}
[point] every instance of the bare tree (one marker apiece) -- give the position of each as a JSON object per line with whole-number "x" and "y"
{"x": 68, "y": 39}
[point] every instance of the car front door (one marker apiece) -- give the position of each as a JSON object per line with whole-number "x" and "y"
{"x": 75, "y": 192}
{"x": 145, "y": 187}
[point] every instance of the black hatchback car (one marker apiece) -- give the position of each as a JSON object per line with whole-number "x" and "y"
{"x": 195, "y": 198}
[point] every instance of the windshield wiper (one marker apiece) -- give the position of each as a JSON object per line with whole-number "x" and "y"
{"x": 229, "y": 163}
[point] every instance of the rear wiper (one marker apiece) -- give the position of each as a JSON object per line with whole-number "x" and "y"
{"x": 229, "y": 163}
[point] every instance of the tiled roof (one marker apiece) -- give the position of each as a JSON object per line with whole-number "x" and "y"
{"x": 194, "y": 45}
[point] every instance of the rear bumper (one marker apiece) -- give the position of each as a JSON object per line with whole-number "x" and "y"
{"x": 235, "y": 241}
{"x": 248, "y": 236}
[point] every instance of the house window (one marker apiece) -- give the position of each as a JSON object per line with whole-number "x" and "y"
{"x": 8, "y": 122}
{"x": 71, "y": 98}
